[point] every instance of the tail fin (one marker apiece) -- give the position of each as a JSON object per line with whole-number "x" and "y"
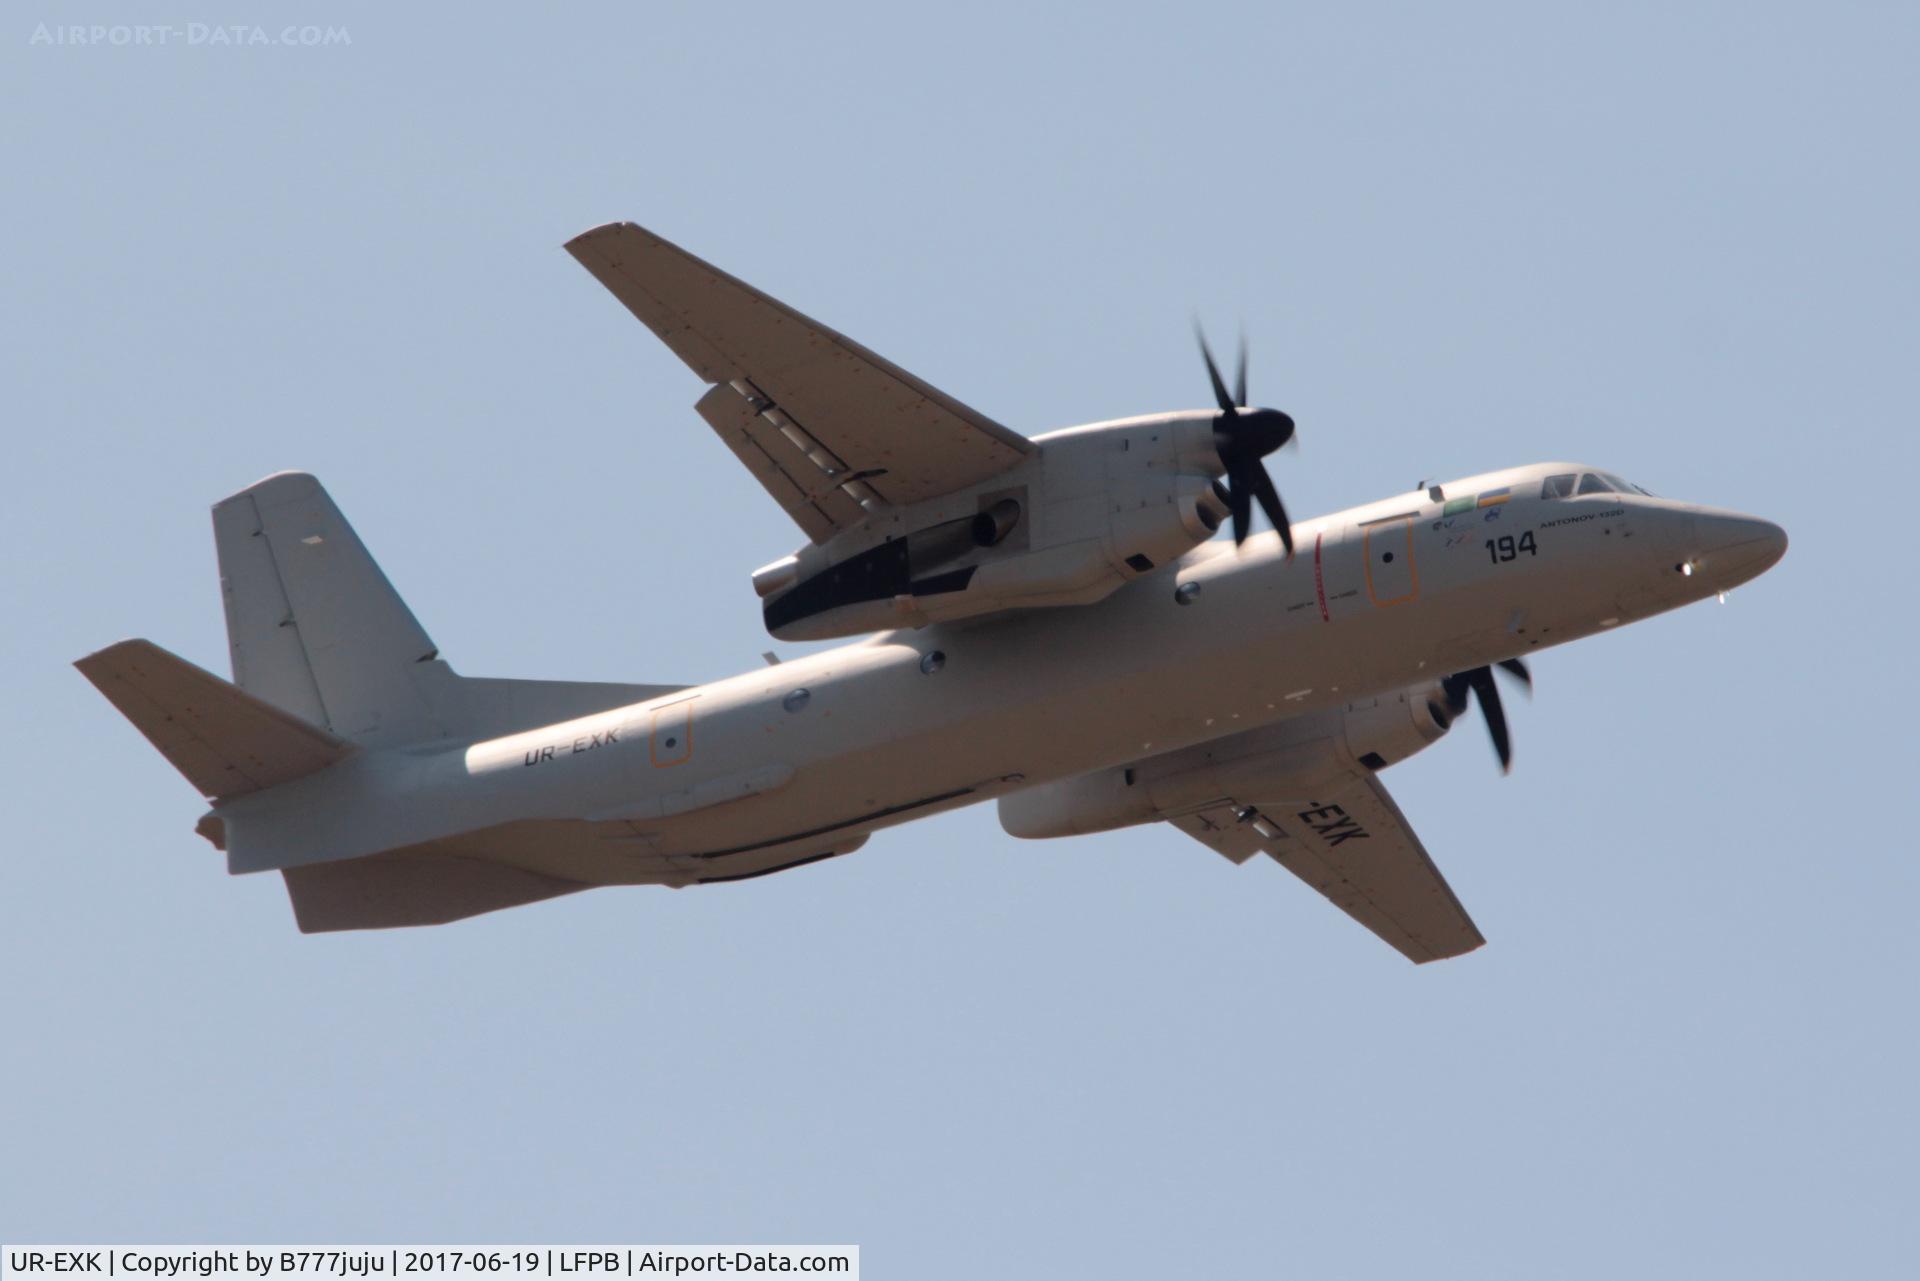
{"x": 315, "y": 628}
{"x": 326, "y": 658}
{"x": 226, "y": 741}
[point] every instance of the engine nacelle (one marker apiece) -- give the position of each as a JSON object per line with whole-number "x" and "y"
{"x": 1297, "y": 759}
{"x": 1386, "y": 730}
{"x": 1095, "y": 508}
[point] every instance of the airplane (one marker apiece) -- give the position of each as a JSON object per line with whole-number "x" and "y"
{"x": 1048, "y": 623}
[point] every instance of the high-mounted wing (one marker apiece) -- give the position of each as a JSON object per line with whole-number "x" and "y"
{"x": 833, "y": 431}
{"x": 1356, "y": 848}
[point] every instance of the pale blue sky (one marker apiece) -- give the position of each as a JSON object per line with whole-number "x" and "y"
{"x": 1673, "y": 240}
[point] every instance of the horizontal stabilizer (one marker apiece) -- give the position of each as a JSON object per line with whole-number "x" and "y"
{"x": 226, "y": 741}
{"x": 390, "y": 890}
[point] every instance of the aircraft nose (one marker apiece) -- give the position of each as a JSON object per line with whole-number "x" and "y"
{"x": 1735, "y": 548}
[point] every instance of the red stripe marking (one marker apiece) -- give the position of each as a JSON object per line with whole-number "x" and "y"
{"x": 1319, "y": 579}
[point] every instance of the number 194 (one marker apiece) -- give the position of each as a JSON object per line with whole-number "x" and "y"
{"x": 1503, "y": 548}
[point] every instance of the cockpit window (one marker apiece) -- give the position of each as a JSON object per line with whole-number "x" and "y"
{"x": 1594, "y": 483}
{"x": 1557, "y": 486}
{"x": 1624, "y": 486}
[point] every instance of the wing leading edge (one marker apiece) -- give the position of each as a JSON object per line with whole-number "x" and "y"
{"x": 1356, "y": 848}
{"x": 833, "y": 431}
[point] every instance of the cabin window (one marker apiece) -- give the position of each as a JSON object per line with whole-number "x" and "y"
{"x": 798, "y": 699}
{"x": 1557, "y": 486}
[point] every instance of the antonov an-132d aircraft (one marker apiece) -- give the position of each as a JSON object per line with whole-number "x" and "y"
{"x": 1049, "y": 623}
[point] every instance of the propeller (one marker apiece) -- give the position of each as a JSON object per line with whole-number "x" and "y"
{"x": 1478, "y": 682}
{"x": 1242, "y": 437}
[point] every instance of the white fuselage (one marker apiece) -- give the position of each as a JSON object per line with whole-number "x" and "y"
{"x": 802, "y": 759}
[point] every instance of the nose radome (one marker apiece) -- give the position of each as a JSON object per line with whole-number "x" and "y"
{"x": 1732, "y": 532}
{"x": 1737, "y": 548}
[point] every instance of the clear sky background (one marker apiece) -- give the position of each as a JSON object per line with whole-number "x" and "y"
{"x": 1676, "y": 241}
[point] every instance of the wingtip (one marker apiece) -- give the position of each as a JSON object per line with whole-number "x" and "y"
{"x": 600, "y": 232}
{"x": 107, "y": 651}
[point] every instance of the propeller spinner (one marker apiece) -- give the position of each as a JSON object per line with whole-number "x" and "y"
{"x": 1243, "y": 437}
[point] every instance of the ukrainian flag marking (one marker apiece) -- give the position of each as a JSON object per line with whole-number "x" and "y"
{"x": 1494, "y": 497}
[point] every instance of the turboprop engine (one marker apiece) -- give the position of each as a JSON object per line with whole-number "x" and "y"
{"x": 1293, "y": 760}
{"x": 1097, "y": 507}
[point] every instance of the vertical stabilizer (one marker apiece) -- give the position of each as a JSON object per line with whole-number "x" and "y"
{"x": 314, "y": 627}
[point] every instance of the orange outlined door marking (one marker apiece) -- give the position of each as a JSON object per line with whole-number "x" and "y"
{"x": 1388, "y": 549}
{"x": 670, "y": 739}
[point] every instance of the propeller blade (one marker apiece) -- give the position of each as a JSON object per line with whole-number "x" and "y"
{"x": 1479, "y": 683}
{"x": 1213, "y": 372}
{"x": 1270, "y": 504}
{"x": 1480, "y": 679}
{"x": 1242, "y": 440}
{"x": 1240, "y": 498}
{"x": 1517, "y": 668}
